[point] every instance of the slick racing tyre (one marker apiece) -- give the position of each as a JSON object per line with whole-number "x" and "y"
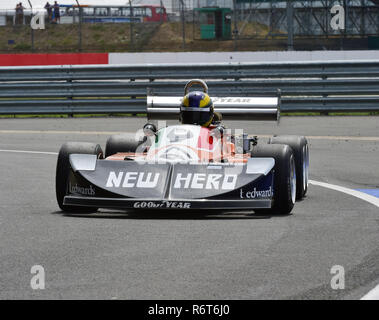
{"x": 125, "y": 142}
{"x": 300, "y": 149}
{"x": 63, "y": 170}
{"x": 284, "y": 176}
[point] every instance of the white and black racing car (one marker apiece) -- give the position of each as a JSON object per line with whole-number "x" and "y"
{"x": 187, "y": 166}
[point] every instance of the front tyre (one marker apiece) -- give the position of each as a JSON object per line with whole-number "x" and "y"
{"x": 300, "y": 149}
{"x": 284, "y": 176}
{"x": 63, "y": 171}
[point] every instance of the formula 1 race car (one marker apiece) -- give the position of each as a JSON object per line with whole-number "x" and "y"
{"x": 187, "y": 166}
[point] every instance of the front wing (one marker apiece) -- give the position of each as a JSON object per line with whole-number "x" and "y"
{"x": 140, "y": 185}
{"x": 124, "y": 203}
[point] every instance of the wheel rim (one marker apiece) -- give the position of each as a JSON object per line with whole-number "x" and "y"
{"x": 293, "y": 179}
{"x": 305, "y": 166}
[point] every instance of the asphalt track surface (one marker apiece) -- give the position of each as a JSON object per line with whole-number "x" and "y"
{"x": 231, "y": 255}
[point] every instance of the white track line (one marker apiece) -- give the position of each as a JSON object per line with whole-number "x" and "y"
{"x": 344, "y": 138}
{"x": 361, "y": 195}
{"x": 27, "y": 151}
{"x": 351, "y": 138}
{"x": 374, "y": 293}
{"x": 60, "y": 132}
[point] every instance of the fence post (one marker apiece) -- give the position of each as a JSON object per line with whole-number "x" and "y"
{"x": 80, "y": 28}
{"x": 324, "y": 78}
{"x": 235, "y": 31}
{"x": 131, "y": 26}
{"x": 183, "y": 24}
{"x": 80, "y": 25}
{"x": 32, "y": 30}
{"x": 290, "y": 25}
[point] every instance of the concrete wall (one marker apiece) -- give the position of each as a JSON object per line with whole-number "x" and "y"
{"x": 241, "y": 57}
{"x": 182, "y": 57}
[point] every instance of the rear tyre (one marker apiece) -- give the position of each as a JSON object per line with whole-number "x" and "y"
{"x": 125, "y": 142}
{"x": 284, "y": 176}
{"x": 300, "y": 149}
{"x": 63, "y": 171}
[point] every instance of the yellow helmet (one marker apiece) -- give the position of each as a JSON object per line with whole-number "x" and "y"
{"x": 197, "y": 108}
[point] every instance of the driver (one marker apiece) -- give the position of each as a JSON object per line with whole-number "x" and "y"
{"x": 197, "y": 108}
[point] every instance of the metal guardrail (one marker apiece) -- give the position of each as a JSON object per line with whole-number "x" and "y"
{"x": 305, "y": 86}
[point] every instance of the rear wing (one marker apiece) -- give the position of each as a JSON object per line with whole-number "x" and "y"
{"x": 231, "y": 108}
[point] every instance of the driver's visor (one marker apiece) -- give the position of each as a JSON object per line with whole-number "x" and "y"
{"x": 196, "y": 109}
{"x": 196, "y": 117}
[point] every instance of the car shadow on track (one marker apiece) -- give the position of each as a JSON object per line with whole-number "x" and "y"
{"x": 171, "y": 215}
